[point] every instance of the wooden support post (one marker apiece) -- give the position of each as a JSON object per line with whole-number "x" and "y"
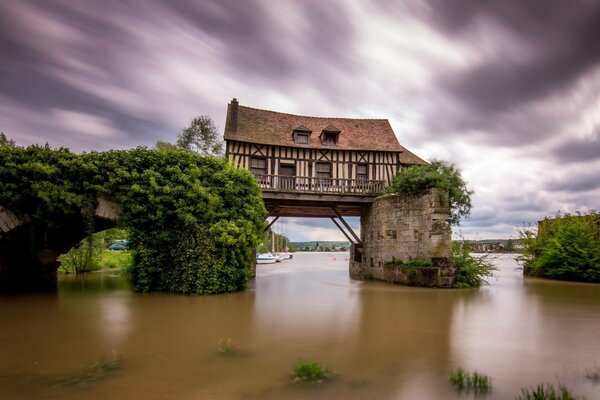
{"x": 271, "y": 223}
{"x": 341, "y": 229}
{"x": 358, "y": 241}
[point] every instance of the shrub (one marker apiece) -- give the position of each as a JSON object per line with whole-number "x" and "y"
{"x": 438, "y": 174}
{"x": 194, "y": 220}
{"x": 566, "y": 247}
{"x": 546, "y": 392}
{"x": 310, "y": 371}
{"x": 471, "y": 271}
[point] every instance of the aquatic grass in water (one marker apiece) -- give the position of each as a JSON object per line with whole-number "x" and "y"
{"x": 546, "y": 392}
{"x": 227, "y": 346}
{"x": 475, "y": 381}
{"x": 593, "y": 375}
{"x": 93, "y": 372}
{"x": 310, "y": 371}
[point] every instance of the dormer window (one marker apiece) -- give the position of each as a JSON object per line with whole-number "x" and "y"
{"x": 302, "y": 135}
{"x": 330, "y": 136}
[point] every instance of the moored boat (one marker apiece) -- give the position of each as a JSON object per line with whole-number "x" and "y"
{"x": 266, "y": 258}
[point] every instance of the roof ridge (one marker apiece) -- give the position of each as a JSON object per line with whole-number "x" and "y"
{"x": 312, "y": 116}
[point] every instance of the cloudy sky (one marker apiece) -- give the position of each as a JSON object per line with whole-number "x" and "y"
{"x": 509, "y": 91}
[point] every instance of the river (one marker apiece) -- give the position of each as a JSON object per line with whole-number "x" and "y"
{"x": 382, "y": 341}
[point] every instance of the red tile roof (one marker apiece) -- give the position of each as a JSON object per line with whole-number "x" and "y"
{"x": 247, "y": 124}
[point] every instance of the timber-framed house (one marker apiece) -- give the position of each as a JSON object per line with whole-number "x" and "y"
{"x": 303, "y": 158}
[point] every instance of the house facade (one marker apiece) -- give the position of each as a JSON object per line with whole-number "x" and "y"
{"x": 314, "y": 154}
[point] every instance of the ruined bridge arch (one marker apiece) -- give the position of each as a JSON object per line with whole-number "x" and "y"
{"x": 28, "y": 261}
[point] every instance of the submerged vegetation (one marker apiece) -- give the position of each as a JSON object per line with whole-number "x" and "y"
{"x": 193, "y": 220}
{"x": 566, "y": 247}
{"x": 417, "y": 179}
{"x": 546, "y": 392}
{"x": 93, "y": 372}
{"x": 593, "y": 375}
{"x": 471, "y": 271}
{"x": 462, "y": 380}
{"x": 310, "y": 371}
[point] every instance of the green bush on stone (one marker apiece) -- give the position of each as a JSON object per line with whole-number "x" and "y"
{"x": 193, "y": 220}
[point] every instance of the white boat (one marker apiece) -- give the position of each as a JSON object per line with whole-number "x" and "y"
{"x": 266, "y": 258}
{"x": 279, "y": 257}
{"x": 287, "y": 256}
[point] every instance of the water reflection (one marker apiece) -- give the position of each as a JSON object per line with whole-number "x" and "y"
{"x": 382, "y": 341}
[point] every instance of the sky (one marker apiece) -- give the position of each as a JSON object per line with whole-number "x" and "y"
{"x": 508, "y": 91}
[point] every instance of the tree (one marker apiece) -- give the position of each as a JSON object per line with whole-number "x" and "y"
{"x": 160, "y": 145}
{"x": 4, "y": 141}
{"x": 417, "y": 179}
{"x": 201, "y": 137}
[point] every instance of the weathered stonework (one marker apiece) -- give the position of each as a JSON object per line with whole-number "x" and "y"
{"x": 405, "y": 228}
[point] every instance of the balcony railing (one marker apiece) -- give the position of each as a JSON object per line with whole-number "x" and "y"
{"x": 302, "y": 184}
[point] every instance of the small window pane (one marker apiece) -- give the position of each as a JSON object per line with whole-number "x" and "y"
{"x": 302, "y": 138}
{"x": 258, "y": 166}
{"x": 329, "y": 138}
{"x": 323, "y": 170}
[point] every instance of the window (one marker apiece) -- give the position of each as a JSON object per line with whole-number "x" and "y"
{"x": 323, "y": 170}
{"x": 330, "y": 139}
{"x": 302, "y": 138}
{"x": 258, "y": 166}
{"x": 362, "y": 172}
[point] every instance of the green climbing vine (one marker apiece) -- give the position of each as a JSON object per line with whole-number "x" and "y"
{"x": 194, "y": 220}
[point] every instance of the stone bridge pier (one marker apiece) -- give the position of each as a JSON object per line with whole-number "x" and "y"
{"x": 29, "y": 250}
{"x": 413, "y": 230}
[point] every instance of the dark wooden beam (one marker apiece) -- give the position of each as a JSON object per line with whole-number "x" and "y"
{"x": 343, "y": 231}
{"x": 271, "y": 223}
{"x": 358, "y": 241}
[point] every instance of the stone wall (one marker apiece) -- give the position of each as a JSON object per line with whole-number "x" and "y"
{"x": 405, "y": 228}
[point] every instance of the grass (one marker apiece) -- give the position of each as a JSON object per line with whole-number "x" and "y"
{"x": 472, "y": 271}
{"x": 93, "y": 372}
{"x": 474, "y": 381}
{"x": 593, "y": 375}
{"x": 411, "y": 263}
{"x": 546, "y": 392}
{"x": 310, "y": 371}
{"x": 114, "y": 259}
{"x": 227, "y": 346}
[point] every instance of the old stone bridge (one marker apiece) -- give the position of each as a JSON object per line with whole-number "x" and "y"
{"x": 29, "y": 262}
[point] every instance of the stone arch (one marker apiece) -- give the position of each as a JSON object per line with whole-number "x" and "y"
{"x": 28, "y": 258}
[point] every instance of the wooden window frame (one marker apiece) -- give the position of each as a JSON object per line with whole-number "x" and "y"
{"x": 362, "y": 176}
{"x": 298, "y": 135}
{"x": 255, "y": 170}
{"x": 330, "y": 172}
{"x": 329, "y": 138}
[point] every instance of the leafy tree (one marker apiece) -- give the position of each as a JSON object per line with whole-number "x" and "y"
{"x": 4, "y": 141}
{"x": 201, "y": 137}
{"x": 160, "y": 145}
{"x": 417, "y": 179}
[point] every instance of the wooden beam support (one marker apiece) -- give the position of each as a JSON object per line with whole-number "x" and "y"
{"x": 271, "y": 223}
{"x": 342, "y": 230}
{"x": 358, "y": 241}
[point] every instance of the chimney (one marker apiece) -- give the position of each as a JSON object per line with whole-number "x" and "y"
{"x": 233, "y": 108}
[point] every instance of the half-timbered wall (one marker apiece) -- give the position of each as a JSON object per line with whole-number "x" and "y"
{"x": 380, "y": 165}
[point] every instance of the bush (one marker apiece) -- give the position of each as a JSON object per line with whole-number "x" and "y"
{"x": 310, "y": 371}
{"x": 417, "y": 179}
{"x": 194, "y": 220}
{"x": 566, "y": 247}
{"x": 470, "y": 271}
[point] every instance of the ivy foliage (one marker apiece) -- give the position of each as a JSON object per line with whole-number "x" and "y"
{"x": 566, "y": 247}
{"x": 417, "y": 179}
{"x": 194, "y": 220}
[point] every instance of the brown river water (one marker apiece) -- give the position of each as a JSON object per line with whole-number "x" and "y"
{"x": 382, "y": 341}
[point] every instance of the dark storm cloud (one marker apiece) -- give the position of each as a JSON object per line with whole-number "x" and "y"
{"x": 574, "y": 150}
{"x": 586, "y": 180}
{"x": 552, "y": 44}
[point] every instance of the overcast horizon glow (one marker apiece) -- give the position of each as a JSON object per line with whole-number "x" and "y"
{"x": 509, "y": 91}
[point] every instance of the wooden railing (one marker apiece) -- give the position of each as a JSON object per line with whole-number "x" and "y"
{"x": 281, "y": 183}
